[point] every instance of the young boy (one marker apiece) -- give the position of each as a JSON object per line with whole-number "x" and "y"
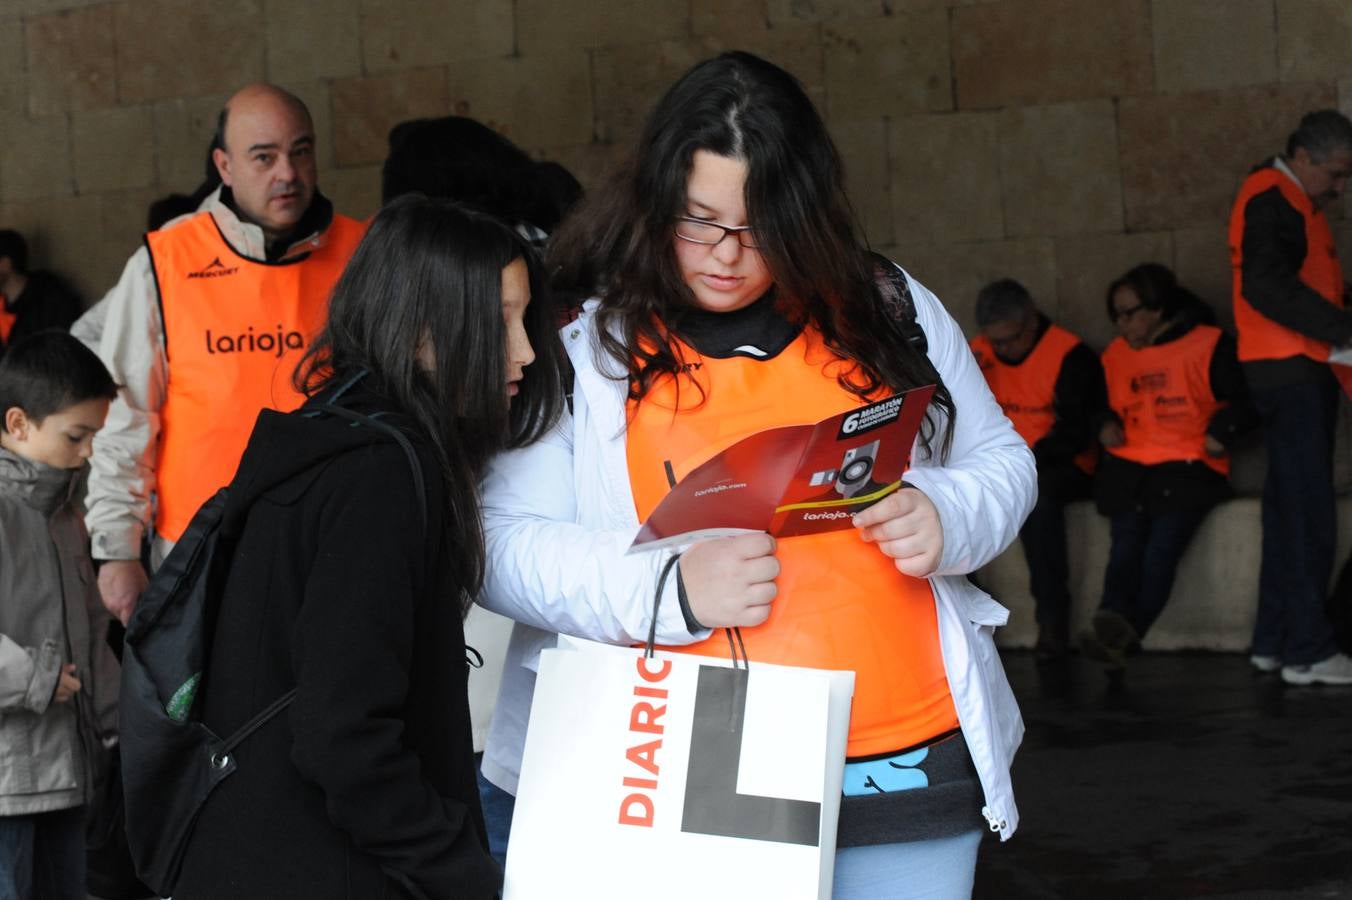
{"x": 58, "y": 677}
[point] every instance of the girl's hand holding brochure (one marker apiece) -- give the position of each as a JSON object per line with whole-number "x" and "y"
{"x": 906, "y": 527}
{"x": 730, "y": 582}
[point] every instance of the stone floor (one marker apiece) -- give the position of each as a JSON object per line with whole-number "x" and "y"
{"x": 1192, "y": 777}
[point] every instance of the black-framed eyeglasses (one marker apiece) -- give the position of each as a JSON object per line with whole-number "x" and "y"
{"x": 702, "y": 231}
{"x": 1120, "y": 315}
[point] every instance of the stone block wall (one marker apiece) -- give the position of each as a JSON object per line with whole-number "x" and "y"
{"x": 1057, "y": 141}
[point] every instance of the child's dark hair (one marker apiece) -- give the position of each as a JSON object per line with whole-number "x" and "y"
{"x": 49, "y": 371}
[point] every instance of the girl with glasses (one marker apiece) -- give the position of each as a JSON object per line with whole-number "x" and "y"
{"x": 732, "y": 293}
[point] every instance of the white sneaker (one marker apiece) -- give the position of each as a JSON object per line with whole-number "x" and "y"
{"x": 1336, "y": 669}
{"x": 1265, "y": 663}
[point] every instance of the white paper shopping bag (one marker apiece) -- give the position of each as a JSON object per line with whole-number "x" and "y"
{"x": 678, "y": 776}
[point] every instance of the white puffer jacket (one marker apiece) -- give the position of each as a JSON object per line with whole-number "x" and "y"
{"x": 560, "y": 514}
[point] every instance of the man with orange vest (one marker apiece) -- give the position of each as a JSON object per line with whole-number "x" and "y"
{"x": 1290, "y": 309}
{"x": 1050, "y": 385}
{"x": 203, "y": 330}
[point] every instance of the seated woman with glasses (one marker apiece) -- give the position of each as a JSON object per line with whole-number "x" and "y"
{"x": 1177, "y": 401}
{"x": 732, "y": 293}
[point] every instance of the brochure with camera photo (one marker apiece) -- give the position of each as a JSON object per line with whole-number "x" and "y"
{"x": 800, "y": 479}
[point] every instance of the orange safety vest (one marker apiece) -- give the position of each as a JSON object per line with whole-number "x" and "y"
{"x": 1026, "y": 389}
{"x": 842, "y": 604}
{"x": 1163, "y": 396}
{"x": 7, "y": 320}
{"x": 234, "y": 329}
{"x": 1259, "y": 336}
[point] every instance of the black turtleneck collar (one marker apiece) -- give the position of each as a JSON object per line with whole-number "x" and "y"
{"x": 315, "y": 220}
{"x": 757, "y": 331}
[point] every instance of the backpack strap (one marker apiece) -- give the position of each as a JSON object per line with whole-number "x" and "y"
{"x": 399, "y": 437}
{"x": 331, "y": 406}
{"x": 894, "y": 290}
{"x": 221, "y": 757}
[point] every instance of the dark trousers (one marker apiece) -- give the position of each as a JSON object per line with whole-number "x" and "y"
{"x": 1044, "y": 548}
{"x": 1043, "y": 537}
{"x": 42, "y": 856}
{"x": 1143, "y": 559}
{"x": 1299, "y": 522}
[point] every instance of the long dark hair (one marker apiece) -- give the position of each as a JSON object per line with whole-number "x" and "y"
{"x": 430, "y": 272}
{"x": 620, "y": 242}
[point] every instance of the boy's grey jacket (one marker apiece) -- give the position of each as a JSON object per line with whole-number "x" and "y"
{"x": 51, "y": 754}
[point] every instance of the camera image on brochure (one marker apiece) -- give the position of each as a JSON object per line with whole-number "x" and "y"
{"x": 800, "y": 479}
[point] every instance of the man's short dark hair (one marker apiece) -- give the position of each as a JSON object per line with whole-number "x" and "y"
{"x": 1002, "y": 301}
{"x": 15, "y": 248}
{"x": 218, "y": 136}
{"x": 1322, "y": 133}
{"x": 49, "y": 371}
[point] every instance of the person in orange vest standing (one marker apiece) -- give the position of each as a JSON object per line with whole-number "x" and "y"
{"x": 204, "y": 329}
{"x": 1290, "y": 309}
{"x": 1176, "y": 402}
{"x": 1050, "y": 385}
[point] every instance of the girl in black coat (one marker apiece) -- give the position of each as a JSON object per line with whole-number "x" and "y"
{"x": 348, "y": 586}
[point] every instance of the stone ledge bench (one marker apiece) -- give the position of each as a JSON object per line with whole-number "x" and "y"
{"x": 1215, "y": 594}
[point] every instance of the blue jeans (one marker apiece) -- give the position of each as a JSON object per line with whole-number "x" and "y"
{"x": 1299, "y": 522}
{"x": 941, "y": 869}
{"x": 1143, "y": 560}
{"x": 42, "y": 856}
{"x": 498, "y": 806}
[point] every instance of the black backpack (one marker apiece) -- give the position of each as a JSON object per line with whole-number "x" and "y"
{"x": 171, "y": 761}
{"x": 895, "y": 293}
